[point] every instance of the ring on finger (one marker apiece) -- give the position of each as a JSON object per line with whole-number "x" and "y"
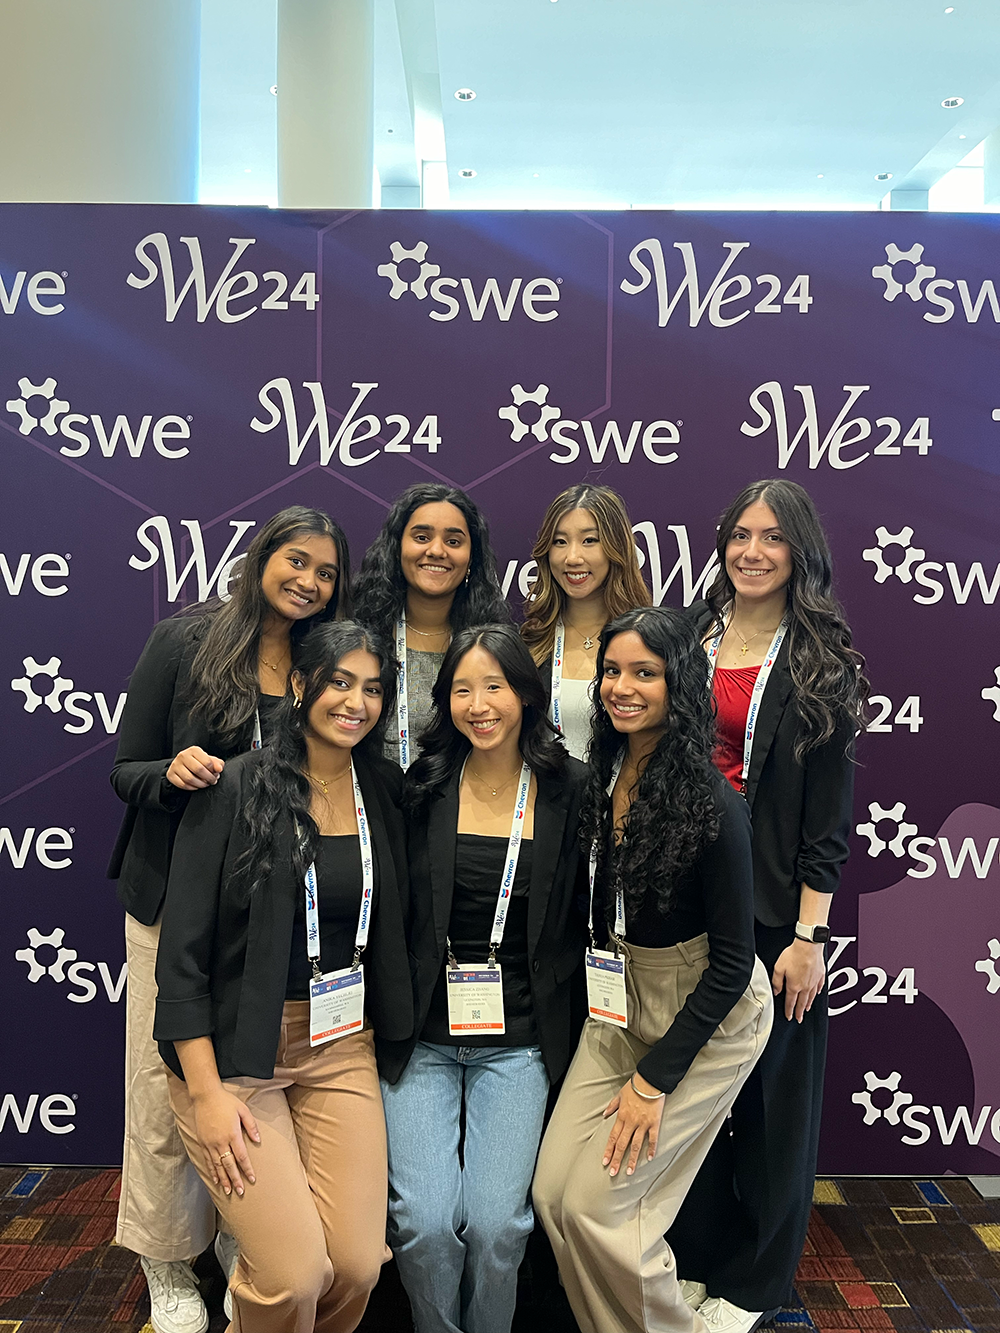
{"x": 225, "y": 1155}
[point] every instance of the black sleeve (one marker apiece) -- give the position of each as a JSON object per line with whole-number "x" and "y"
{"x": 826, "y": 813}
{"x": 725, "y": 872}
{"x": 139, "y": 776}
{"x": 190, "y": 914}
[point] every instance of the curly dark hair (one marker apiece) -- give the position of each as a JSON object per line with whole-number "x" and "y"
{"x": 224, "y": 685}
{"x": 380, "y": 588}
{"x": 443, "y": 748}
{"x": 828, "y": 674}
{"x": 674, "y": 814}
{"x": 278, "y": 783}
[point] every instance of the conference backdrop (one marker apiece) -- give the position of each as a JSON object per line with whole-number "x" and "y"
{"x": 172, "y": 376}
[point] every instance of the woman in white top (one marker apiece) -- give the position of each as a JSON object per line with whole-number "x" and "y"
{"x": 588, "y": 573}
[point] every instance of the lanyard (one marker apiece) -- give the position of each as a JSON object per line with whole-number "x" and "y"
{"x": 558, "y": 648}
{"x": 367, "y": 887}
{"x": 256, "y": 742}
{"x": 760, "y": 684}
{"x": 510, "y": 864}
{"x": 619, "y": 895}
{"x": 402, "y": 701}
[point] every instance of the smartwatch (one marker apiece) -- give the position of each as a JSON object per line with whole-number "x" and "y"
{"x": 814, "y": 934}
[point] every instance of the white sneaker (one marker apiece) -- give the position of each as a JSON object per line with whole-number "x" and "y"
{"x": 227, "y": 1251}
{"x": 723, "y": 1317}
{"x": 692, "y": 1292}
{"x": 174, "y": 1300}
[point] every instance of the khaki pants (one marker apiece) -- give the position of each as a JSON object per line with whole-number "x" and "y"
{"x": 164, "y": 1211}
{"x": 311, "y": 1229}
{"x": 607, "y": 1233}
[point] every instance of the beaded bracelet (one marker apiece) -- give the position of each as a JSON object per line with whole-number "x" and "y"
{"x": 646, "y": 1096}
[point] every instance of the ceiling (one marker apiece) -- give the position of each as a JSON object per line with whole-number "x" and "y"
{"x": 641, "y": 103}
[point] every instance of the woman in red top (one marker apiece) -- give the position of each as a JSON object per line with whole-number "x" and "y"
{"x": 789, "y": 692}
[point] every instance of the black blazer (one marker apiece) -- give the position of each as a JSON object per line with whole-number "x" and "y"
{"x": 801, "y": 812}
{"x": 156, "y": 725}
{"x": 556, "y": 894}
{"x": 222, "y": 964}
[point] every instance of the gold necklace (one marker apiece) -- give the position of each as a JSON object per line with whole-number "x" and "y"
{"x": 429, "y": 633}
{"x": 747, "y": 642}
{"x": 494, "y": 790}
{"x": 325, "y": 782}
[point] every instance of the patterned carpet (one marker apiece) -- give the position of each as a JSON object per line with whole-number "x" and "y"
{"x": 914, "y": 1256}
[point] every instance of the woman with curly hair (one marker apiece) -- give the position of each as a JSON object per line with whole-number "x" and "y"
{"x": 789, "y": 691}
{"x": 588, "y": 573}
{"x": 667, "y": 1048}
{"x": 429, "y": 573}
{"x": 494, "y": 865}
{"x": 203, "y": 691}
{"x": 282, "y": 967}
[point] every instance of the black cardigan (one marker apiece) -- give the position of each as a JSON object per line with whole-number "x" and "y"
{"x": 222, "y": 965}
{"x": 801, "y": 812}
{"x": 156, "y": 725}
{"x": 556, "y": 894}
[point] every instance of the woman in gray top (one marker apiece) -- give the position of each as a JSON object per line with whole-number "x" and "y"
{"x": 429, "y": 573}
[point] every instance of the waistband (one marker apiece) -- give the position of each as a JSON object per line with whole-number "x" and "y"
{"x": 684, "y": 954}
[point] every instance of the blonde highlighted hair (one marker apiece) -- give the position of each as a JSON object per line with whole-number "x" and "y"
{"x": 623, "y": 589}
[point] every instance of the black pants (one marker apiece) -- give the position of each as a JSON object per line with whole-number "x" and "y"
{"x": 742, "y": 1226}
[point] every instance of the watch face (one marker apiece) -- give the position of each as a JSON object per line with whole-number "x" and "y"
{"x": 821, "y": 934}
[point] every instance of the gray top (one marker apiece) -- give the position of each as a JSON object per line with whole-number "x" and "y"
{"x": 421, "y": 673}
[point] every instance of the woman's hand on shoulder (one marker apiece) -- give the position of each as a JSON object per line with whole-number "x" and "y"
{"x": 220, "y": 1119}
{"x": 637, "y": 1118}
{"x": 192, "y": 769}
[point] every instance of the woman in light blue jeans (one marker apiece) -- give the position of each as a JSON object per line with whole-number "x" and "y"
{"x": 495, "y": 879}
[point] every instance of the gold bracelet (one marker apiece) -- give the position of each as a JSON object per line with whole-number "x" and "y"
{"x": 646, "y": 1096}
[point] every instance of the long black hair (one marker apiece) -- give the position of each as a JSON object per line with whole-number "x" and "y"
{"x": 443, "y": 748}
{"x": 224, "y": 679}
{"x": 830, "y": 687}
{"x": 380, "y": 589}
{"x": 673, "y": 814}
{"x": 278, "y": 783}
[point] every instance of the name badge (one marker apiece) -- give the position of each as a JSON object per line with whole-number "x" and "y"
{"x": 606, "y": 988}
{"x": 336, "y": 1005}
{"x": 475, "y": 1000}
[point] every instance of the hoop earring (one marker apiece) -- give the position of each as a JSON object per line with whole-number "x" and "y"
{"x": 297, "y": 702}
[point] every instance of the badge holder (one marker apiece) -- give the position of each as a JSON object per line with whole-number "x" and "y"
{"x": 475, "y": 997}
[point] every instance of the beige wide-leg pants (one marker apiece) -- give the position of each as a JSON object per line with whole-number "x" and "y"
{"x": 311, "y": 1229}
{"x": 164, "y": 1211}
{"x": 607, "y": 1233}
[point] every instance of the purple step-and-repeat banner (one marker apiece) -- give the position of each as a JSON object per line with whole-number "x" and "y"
{"x": 169, "y": 377}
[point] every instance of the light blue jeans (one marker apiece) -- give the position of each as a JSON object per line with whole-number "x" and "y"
{"x": 458, "y": 1229}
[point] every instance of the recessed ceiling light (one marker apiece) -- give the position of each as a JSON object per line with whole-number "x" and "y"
{"x": 465, "y": 95}
{"x": 961, "y": 136}
{"x": 467, "y": 173}
{"x": 951, "y": 102}
{"x": 820, "y": 176}
{"x": 273, "y": 90}
{"x": 950, "y": 9}
{"x": 884, "y": 176}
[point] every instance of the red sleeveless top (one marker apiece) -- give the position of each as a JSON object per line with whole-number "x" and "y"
{"x": 732, "y": 688}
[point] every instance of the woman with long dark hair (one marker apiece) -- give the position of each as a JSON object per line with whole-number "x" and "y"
{"x": 494, "y": 862}
{"x": 789, "y": 690}
{"x": 588, "y": 573}
{"x": 282, "y": 964}
{"x": 679, "y": 1007}
{"x": 203, "y": 691}
{"x": 429, "y": 573}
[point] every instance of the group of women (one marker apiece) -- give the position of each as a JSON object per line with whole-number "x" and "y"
{"x": 379, "y": 912}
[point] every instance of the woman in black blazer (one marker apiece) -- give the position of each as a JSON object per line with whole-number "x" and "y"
{"x": 784, "y": 671}
{"x": 282, "y": 949}
{"x": 491, "y": 782}
{"x": 202, "y": 692}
